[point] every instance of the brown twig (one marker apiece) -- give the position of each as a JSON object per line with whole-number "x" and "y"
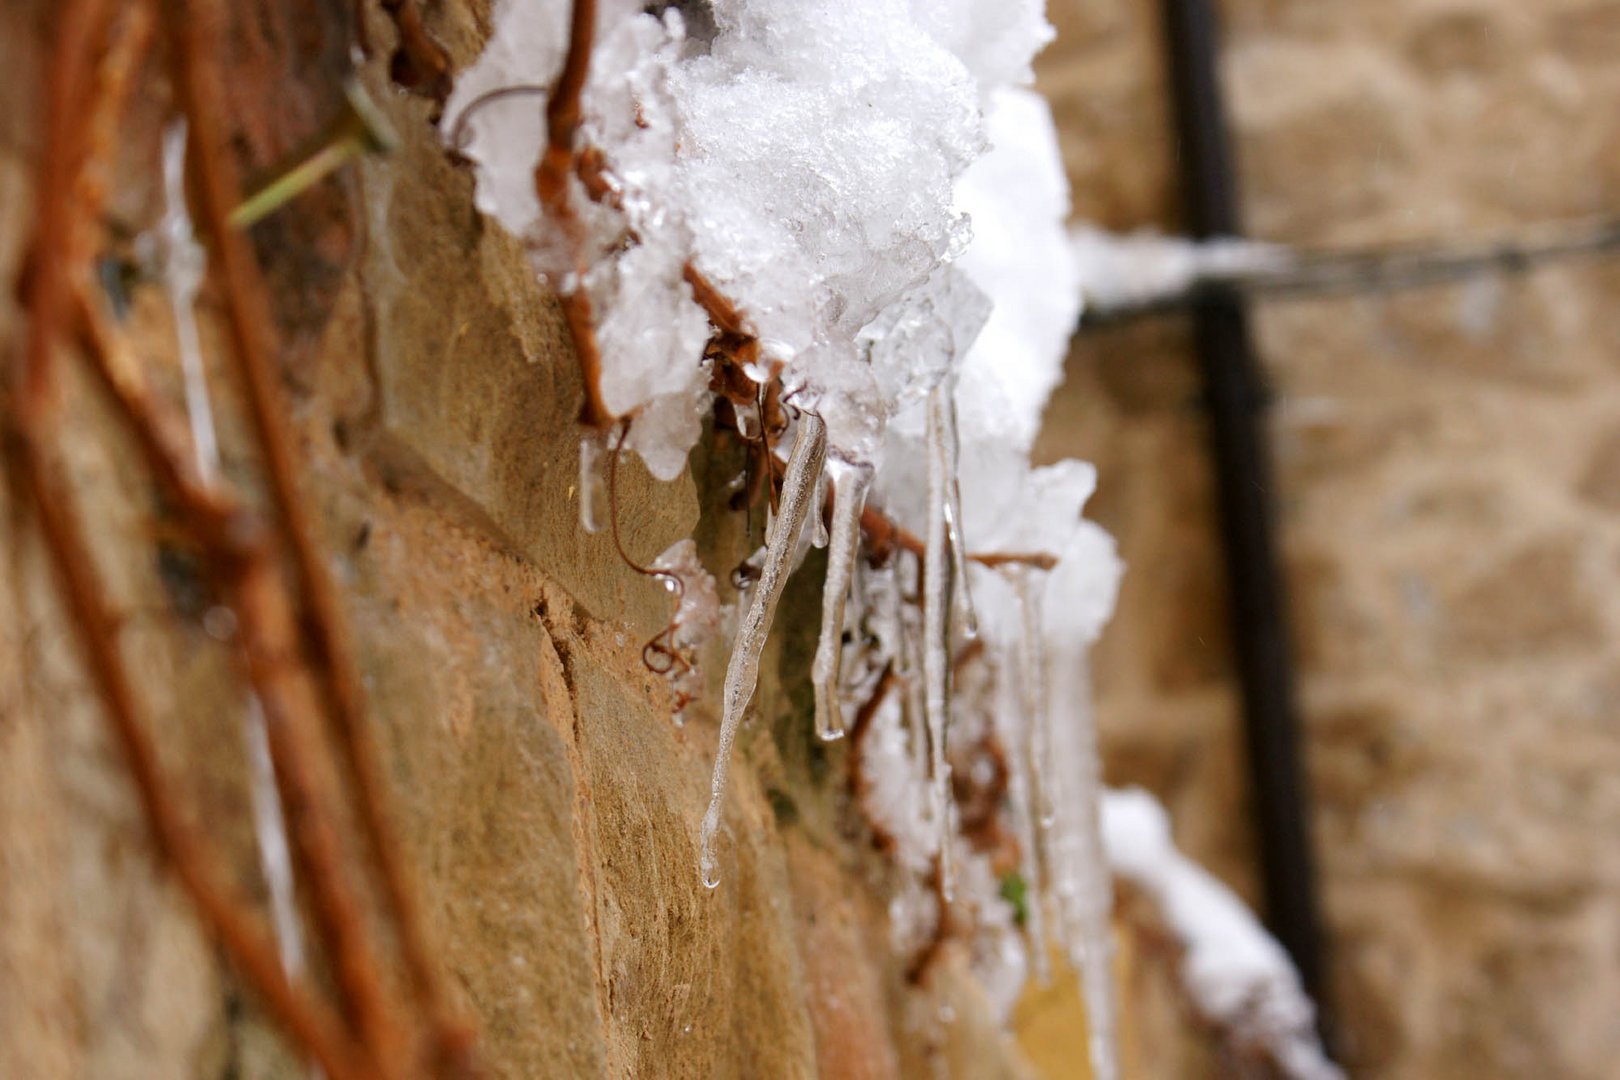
{"x": 660, "y": 654}
{"x": 67, "y": 190}
{"x": 311, "y": 1024}
{"x": 551, "y": 187}
{"x": 194, "y": 46}
{"x": 883, "y": 535}
{"x": 421, "y": 63}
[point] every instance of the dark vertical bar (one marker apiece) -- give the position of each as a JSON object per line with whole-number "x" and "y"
{"x": 1236, "y": 398}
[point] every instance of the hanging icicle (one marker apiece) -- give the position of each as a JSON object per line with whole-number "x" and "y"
{"x": 962, "y": 587}
{"x": 849, "y": 492}
{"x": 742, "y": 671}
{"x": 936, "y": 627}
{"x": 592, "y": 486}
{"x": 1079, "y": 869}
{"x": 1037, "y": 704}
{"x": 1015, "y": 723}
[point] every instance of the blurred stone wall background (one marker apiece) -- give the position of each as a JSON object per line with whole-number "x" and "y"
{"x": 1449, "y": 484}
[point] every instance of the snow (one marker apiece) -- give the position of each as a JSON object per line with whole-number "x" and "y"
{"x": 1142, "y": 268}
{"x": 1236, "y": 975}
{"x": 883, "y": 204}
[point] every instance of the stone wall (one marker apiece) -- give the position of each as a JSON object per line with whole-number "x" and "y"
{"x": 1448, "y": 487}
{"x": 550, "y": 804}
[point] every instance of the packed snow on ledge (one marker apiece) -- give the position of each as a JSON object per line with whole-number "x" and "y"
{"x": 877, "y": 192}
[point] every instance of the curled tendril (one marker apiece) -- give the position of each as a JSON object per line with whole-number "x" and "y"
{"x": 458, "y": 130}
{"x": 660, "y": 655}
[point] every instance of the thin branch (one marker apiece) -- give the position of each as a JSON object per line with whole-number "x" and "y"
{"x": 76, "y": 112}
{"x": 883, "y": 535}
{"x": 421, "y": 63}
{"x": 312, "y": 1024}
{"x": 551, "y": 175}
{"x": 1299, "y": 273}
{"x": 194, "y": 46}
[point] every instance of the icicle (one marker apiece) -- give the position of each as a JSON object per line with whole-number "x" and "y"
{"x": 183, "y": 265}
{"x": 1037, "y": 704}
{"x": 936, "y": 625}
{"x": 592, "y": 487}
{"x": 850, "y": 499}
{"x": 953, "y": 508}
{"x": 742, "y": 671}
{"x": 274, "y": 857}
{"x": 1017, "y": 725}
{"x": 818, "y": 514}
{"x": 1077, "y": 857}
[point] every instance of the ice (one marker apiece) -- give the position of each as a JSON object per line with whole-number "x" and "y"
{"x": 696, "y": 620}
{"x": 1032, "y": 660}
{"x": 742, "y": 671}
{"x": 996, "y": 39}
{"x": 885, "y": 210}
{"x": 183, "y": 265}
{"x": 818, "y": 513}
{"x": 936, "y": 627}
{"x": 1018, "y": 199}
{"x": 803, "y": 157}
{"x": 850, "y": 484}
{"x": 951, "y": 450}
{"x": 270, "y": 830}
{"x": 895, "y": 787}
{"x": 593, "y": 497}
{"x": 1142, "y": 268}
{"x": 1082, "y": 885}
{"x": 1236, "y": 976}
{"x": 1015, "y": 722}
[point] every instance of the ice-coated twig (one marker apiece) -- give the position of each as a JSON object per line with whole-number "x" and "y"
{"x": 936, "y": 625}
{"x": 742, "y": 671}
{"x": 849, "y": 494}
{"x": 183, "y": 264}
{"x": 1037, "y": 702}
{"x": 270, "y": 829}
{"x": 1017, "y": 724}
{"x": 1076, "y": 856}
{"x": 953, "y": 508}
{"x": 1235, "y": 974}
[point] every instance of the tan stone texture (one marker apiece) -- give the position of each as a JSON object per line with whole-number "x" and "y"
{"x": 550, "y": 805}
{"x": 1448, "y": 477}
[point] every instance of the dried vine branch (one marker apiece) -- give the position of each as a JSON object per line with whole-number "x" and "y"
{"x": 551, "y": 176}
{"x": 78, "y": 129}
{"x": 194, "y": 45}
{"x": 420, "y": 63}
{"x": 883, "y": 535}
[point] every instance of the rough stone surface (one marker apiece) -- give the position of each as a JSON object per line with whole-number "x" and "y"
{"x": 550, "y": 807}
{"x": 1448, "y": 478}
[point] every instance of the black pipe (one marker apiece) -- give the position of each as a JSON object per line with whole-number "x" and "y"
{"x": 1236, "y": 399}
